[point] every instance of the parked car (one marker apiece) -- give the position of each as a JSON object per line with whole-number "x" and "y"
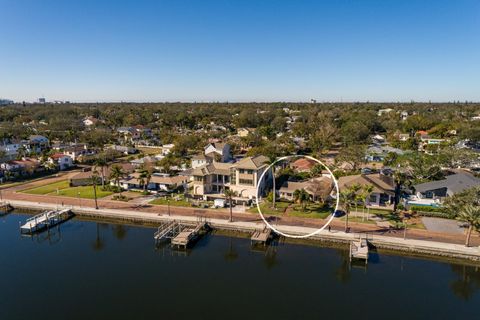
{"x": 339, "y": 213}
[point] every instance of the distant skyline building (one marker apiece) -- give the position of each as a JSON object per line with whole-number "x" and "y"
{"x": 4, "y": 102}
{"x": 41, "y": 100}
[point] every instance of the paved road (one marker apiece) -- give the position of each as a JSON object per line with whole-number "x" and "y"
{"x": 442, "y": 225}
{"x": 12, "y": 194}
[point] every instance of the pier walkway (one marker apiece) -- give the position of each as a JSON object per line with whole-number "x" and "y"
{"x": 359, "y": 250}
{"x": 180, "y": 235}
{"x": 45, "y": 220}
{"x": 261, "y": 236}
{"x": 427, "y": 246}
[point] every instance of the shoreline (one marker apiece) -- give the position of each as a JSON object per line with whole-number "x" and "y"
{"x": 390, "y": 244}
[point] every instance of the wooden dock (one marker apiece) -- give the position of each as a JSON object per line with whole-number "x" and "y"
{"x": 261, "y": 236}
{"x": 187, "y": 235}
{"x": 180, "y": 235}
{"x": 45, "y": 220}
{"x": 359, "y": 250}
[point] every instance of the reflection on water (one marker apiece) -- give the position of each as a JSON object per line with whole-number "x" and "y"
{"x": 467, "y": 281}
{"x": 126, "y": 275}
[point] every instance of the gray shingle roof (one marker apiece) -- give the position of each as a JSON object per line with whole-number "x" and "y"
{"x": 454, "y": 183}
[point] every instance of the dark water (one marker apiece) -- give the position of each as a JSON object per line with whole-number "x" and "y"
{"x": 103, "y": 271}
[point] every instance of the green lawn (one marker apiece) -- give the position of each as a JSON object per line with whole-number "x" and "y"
{"x": 267, "y": 209}
{"x": 63, "y": 189}
{"x": 85, "y": 192}
{"x": 49, "y": 188}
{"x": 175, "y": 203}
{"x": 311, "y": 211}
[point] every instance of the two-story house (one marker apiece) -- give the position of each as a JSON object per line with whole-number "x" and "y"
{"x": 211, "y": 180}
{"x": 61, "y": 161}
{"x": 218, "y": 150}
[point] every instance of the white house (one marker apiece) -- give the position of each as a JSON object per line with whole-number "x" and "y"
{"x": 218, "y": 149}
{"x": 62, "y": 161}
{"x": 200, "y": 160}
{"x": 167, "y": 148}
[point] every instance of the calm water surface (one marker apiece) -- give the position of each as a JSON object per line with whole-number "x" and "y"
{"x": 90, "y": 270}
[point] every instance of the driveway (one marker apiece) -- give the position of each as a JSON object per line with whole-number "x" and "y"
{"x": 442, "y": 225}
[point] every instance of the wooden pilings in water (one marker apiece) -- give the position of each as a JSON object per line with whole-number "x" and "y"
{"x": 45, "y": 220}
{"x": 359, "y": 249}
{"x": 261, "y": 236}
{"x": 180, "y": 235}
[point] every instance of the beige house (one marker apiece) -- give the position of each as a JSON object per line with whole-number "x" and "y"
{"x": 211, "y": 180}
{"x": 318, "y": 188}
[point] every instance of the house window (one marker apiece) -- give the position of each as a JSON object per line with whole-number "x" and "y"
{"x": 241, "y": 171}
{"x": 373, "y": 198}
{"x": 199, "y": 178}
{"x": 247, "y": 182}
{"x": 250, "y": 171}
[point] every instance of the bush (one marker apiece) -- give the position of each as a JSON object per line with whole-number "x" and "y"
{"x": 114, "y": 189}
{"x": 120, "y": 197}
{"x": 435, "y": 214}
{"x": 425, "y": 209}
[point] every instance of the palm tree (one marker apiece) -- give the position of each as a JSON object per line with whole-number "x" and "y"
{"x": 101, "y": 162}
{"x": 271, "y": 160}
{"x": 471, "y": 215}
{"x": 116, "y": 173}
{"x": 367, "y": 189}
{"x": 94, "y": 181}
{"x": 229, "y": 194}
{"x": 400, "y": 178}
{"x": 348, "y": 197}
{"x": 301, "y": 196}
{"x": 144, "y": 178}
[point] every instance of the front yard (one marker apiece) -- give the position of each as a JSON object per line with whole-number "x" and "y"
{"x": 312, "y": 210}
{"x": 48, "y": 188}
{"x": 62, "y": 188}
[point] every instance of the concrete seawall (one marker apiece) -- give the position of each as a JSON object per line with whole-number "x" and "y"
{"x": 409, "y": 246}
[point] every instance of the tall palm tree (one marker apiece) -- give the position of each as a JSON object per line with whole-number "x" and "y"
{"x": 229, "y": 194}
{"x": 301, "y": 196}
{"x": 399, "y": 178}
{"x": 471, "y": 215}
{"x": 367, "y": 189}
{"x": 94, "y": 182}
{"x": 116, "y": 173}
{"x": 271, "y": 160}
{"x": 144, "y": 178}
{"x": 348, "y": 198}
{"x": 101, "y": 162}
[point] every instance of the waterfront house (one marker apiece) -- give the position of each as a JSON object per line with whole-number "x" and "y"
{"x": 383, "y": 193}
{"x": 436, "y": 191}
{"x": 158, "y": 182}
{"x": 318, "y": 188}
{"x": 242, "y": 177}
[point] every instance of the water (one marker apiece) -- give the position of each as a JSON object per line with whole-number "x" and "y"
{"x": 93, "y": 270}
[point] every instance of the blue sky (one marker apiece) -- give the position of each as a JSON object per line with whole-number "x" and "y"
{"x": 226, "y": 50}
